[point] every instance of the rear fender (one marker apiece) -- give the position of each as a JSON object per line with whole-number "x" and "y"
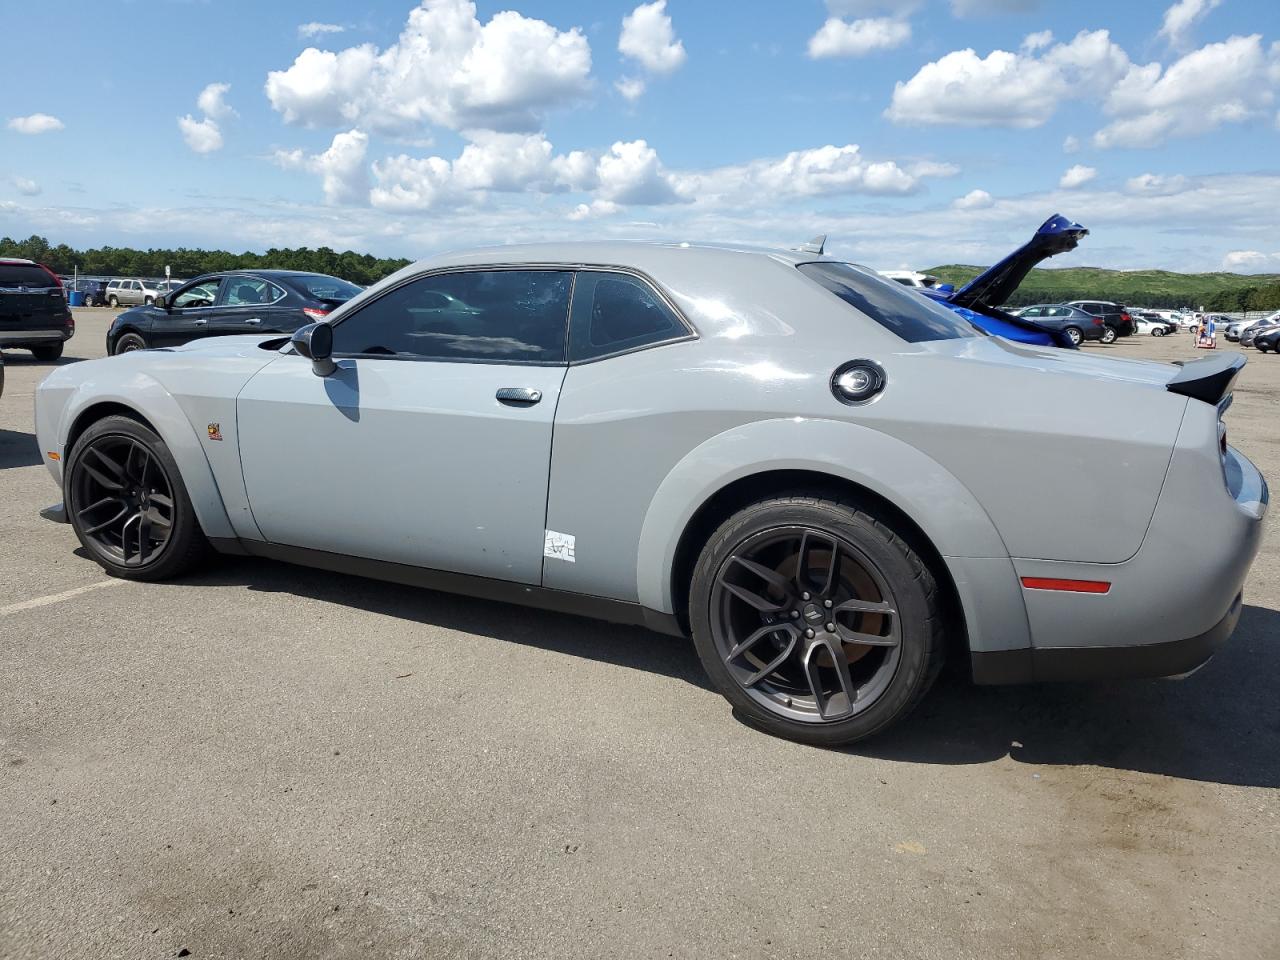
{"x": 944, "y": 509}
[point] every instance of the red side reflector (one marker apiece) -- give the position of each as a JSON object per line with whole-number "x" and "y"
{"x": 1070, "y": 586}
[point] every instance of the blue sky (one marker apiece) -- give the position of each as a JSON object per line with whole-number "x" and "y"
{"x": 914, "y": 132}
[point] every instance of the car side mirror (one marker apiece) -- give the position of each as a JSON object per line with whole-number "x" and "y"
{"x": 161, "y": 301}
{"x": 315, "y": 342}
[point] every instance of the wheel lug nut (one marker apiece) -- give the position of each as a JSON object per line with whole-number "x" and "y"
{"x": 804, "y": 596}
{"x": 795, "y": 614}
{"x": 831, "y": 628}
{"x": 809, "y": 633}
{"x": 827, "y": 604}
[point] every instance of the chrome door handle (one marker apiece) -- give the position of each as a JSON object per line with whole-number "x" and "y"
{"x": 518, "y": 396}
{"x": 201, "y": 320}
{"x": 254, "y": 320}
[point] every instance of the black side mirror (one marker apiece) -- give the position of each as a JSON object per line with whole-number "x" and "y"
{"x": 161, "y": 301}
{"x": 315, "y": 342}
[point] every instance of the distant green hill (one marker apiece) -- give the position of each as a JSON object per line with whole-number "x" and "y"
{"x": 1146, "y": 288}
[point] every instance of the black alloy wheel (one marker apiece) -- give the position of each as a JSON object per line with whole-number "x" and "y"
{"x": 815, "y": 620}
{"x": 127, "y": 503}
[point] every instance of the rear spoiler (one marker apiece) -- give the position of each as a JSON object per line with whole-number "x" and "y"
{"x": 1208, "y": 379}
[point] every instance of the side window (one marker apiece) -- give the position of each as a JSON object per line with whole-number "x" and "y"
{"x": 250, "y": 291}
{"x": 502, "y": 316}
{"x": 1033, "y": 312}
{"x": 135, "y": 285}
{"x": 201, "y": 295}
{"x": 613, "y": 312}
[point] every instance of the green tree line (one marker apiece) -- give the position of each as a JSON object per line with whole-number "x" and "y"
{"x": 359, "y": 268}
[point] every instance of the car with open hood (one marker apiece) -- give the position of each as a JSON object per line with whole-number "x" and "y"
{"x": 980, "y": 299}
{"x": 829, "y": 482}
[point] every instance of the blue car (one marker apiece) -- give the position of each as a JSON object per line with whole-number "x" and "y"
{"x": 977, "y": 300}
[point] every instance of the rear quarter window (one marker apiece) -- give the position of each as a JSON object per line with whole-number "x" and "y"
{"x": 912, "y": 316}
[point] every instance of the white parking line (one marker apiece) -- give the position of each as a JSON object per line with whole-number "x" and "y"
{"x": 58, "y": 597}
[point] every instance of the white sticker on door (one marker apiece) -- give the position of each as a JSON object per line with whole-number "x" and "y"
{"x": 559, "y": 546}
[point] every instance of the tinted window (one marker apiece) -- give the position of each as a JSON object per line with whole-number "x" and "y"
{"x": 507, "y": 316}
{"x": 201, "y": 295}
{"x": 14, "y": 275}
{"x": 613, "y": 312}
{"x": 1032, "y": 311}
{"x": 251, "y": 291}
{"x": 319, "y": 287}
{"x": 912, "y": 316}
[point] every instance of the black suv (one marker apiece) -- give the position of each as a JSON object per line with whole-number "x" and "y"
{"x": 33, "y": 309}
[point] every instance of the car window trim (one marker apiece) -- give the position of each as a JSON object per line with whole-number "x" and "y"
{"x": 195, "y": 283}
{"x": 256, "y": 306}
{"x": 647, "y": 282}
{"x": 573, "y": 269}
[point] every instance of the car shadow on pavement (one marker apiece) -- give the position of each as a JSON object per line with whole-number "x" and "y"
{"x": 20, "y": 358}
{"x": 1221, "y": 725}
{"x": 18, "y": 449}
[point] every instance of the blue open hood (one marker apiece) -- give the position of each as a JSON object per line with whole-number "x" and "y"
{"x": 996, "y": 284}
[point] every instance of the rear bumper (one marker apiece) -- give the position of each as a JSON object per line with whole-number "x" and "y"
{"x": 19, "y": 338}
{"x": 1171, "y": 659}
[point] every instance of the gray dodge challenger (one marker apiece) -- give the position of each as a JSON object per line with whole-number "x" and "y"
{"x": 827, "y": 481}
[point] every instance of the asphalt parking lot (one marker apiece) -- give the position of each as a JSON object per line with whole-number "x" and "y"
{"x": 267, "y": 761}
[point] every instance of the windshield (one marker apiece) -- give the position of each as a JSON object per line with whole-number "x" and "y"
{"x": 320, "y": 287}
{"x": 912, "y": 316}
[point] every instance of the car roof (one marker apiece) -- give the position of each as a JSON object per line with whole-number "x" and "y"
{"x": 17, "y": 260}
{"x": 639, "y": 254}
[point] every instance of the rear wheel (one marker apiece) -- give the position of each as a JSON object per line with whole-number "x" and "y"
{"x": 1075, "y": 335}
{"x": 128, "y": 505}
{"x": 47, "y": 351}
{"x": 1109, "y": 335}
{"x": 147, "y": 301}
{"x": 815, "y": 619}
{"x": 129, "y": 342}
{"x": 113, "y": 301}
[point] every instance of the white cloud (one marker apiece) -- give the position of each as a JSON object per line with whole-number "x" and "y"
{"x": 1181, "y": 17}
{"x": 1077, "y": 176}
{"x": 316, "y": 29}
{"x": 649, "y": 38}
{"x": 974, "y": 200}
{"x": 971, "y": 8}
{"x": 36, "y": 123}
{"x": 1071, "y": 144}
{"x": 1251, "y": 261}
{"x": 632, "y": 88}
{"x": 344, "y": 177}
{"x": 597, "y": 208}
{"x": 1037, "y": 41}
{"x": 211, "y": 102}
{"x": 1007, "y": 89}
{"x": 26, "y": 186}
{"x": 1226, "y": 82}
{"x": 202, "y": 136}
{"x": 857, "y": 38}
{"x": 446, "y": 68}
{"x": 1154, "y": 184}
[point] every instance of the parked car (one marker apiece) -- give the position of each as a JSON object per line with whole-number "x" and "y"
{"x": 238, "y": 301}
{"x": 785, "y": 456}
{"x": 1149, "y": 328}
{"x": 1153, "y": 316}
{"x": 1072, "y": 321}
{"x": 33, "y": 309}
{"x": 1249, "y": 337}
{"x": 911, "y": 278}
{"x": 133, "y": 292}
{"x": 978, "y": 300}
{"x": 1114, "y": 315}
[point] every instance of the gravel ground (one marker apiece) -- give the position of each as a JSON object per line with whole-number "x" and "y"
{"x": 267, "y": 761}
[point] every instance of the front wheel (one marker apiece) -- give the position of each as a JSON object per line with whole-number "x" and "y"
{"x": 47, "y": 351}
{"x": 1109, "y": 335}
{"x": 127, "y": 503}
{"x": 147, "y": 301}
{"x": 113, "y": 301}
{"x": 1075, "y": 335}
{"x": 129, "y": 342}
{"x": 815, "y": 619}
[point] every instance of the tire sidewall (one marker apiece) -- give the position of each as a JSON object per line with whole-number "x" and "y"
{"x": 185, "y": 525}
{"x": 1075, "y": 335}
{"x": 129, "y": 337}
{"x": 913, "y": 671}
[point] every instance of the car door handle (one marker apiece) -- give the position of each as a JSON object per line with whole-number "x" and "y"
{"x": 201, "y": 320}
{"x": 254, "y": 320}
{"x": 518, "y": 396}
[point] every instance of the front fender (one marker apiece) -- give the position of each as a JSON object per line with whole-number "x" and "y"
{"x": 151, "y": 401}
{"x": 944, "y": 509}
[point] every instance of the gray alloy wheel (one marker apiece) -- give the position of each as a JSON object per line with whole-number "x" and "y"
{"x": 815, "y": 620}
{"x": 127, "y": 503}
{"x": 1109, "y": 335}
{"x": 1074, "y": 335}
{"x": 129, "y": 342}
{"x": 113, "y": 301}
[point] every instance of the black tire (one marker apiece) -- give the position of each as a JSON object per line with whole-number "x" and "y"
{"x": 113, "y": 301}
{"x": 147, "y": 301}
{"x": 895, "y": 675}
{"x": 1109, "y": 335}
{"x": 1075, "y": 335}
{"x": 47, "y": 351}
{"x": 128, "y": 342}
{"x": 184, "y": 547}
